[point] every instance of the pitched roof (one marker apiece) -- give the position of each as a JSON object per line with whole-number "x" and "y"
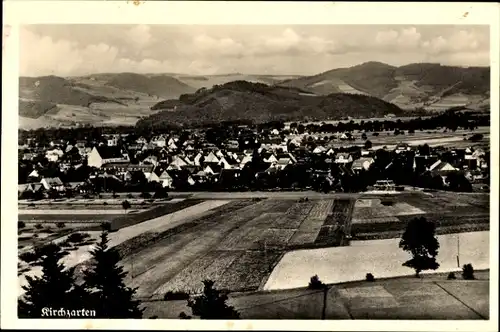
{"x": 441, "y": 166}
{"x": 53, "y": 181}
{"x": 109, "y": 152}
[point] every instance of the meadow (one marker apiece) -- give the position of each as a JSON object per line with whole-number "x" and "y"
{"x": 238, "y": 242}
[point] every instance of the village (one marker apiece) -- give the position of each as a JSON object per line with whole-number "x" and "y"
{"x": 246, "y": 159}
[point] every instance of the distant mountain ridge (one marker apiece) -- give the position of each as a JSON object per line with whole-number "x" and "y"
{"x": 124, "y": 98}
{"x": 427, "y": 85}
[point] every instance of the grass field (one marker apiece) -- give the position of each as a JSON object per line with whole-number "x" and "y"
{"x": 431, "y": 297}
{"x": 382, "y": 258}
{"x": 452, "y": 212}
{"x": 238, "y": 242}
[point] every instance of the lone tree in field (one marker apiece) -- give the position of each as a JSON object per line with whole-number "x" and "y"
{"x": 468, "y": 272}
{"x": 419, "y": 239}
{"x": 125, "y": 205}
{"x": 104, "y": 281}
{"x": 212, "y": 304}
{"x": 55, "y": 288}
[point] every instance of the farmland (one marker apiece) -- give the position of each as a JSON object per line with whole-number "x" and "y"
{"x": 391, "y": 298}
{"x": 451, "y": 212}
{"x": 238, "y": 242}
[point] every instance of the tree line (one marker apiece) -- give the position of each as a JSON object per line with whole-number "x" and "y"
{"x": 451, "y": 119}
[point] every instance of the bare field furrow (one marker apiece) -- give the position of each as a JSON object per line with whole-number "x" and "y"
{"x": 247, "y": 272}
{"x": 211, "y": 266}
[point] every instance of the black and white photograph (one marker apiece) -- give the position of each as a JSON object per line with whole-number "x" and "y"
{"x": 253, "y": 171}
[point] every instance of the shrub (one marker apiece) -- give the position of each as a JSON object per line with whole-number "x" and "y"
{"x": 476, "y": 137}
{"x": 21, "y": 224}
{"x": 145, "y": 195}
{"x": 60, "y": 224}
{"x": 212, "y": 304}
{"x": 160, "y": 193}
{"x": 370, "y": 277}
{"x": 28, "y": 257}
{"x": 178, "y": 295}
{"x": 77, "y": 237}
{"x": 130, "y": 196}
{"x": 38, "y": 226}
{"x": 468, "y": 272}
{"x": 126, "y": 205}
{"x": 106, "y": 226}
{"x": 105, "y": 203}
{"x": 451, "y": 276}
{"x": 183, "y": 315}
{"x": 315, "y": 283}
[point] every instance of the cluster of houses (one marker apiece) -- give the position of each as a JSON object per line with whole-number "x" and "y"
{"x": 162, "y": 159}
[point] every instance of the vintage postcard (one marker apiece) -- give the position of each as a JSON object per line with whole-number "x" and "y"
{"x": 241, "y": 165}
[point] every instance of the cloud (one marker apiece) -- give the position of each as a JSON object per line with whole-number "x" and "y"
{"x": 81, "y": 50}
{"x": 40, "y": 55}
{"x": 461, "y": 41}
{"x": 403, "y": 39}
{"x": 206, "y": 45}
{"x": 139, "y": 36}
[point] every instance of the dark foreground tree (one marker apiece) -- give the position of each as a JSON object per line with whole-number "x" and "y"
{"x": 104, "y": 281}
{"x": 212, "y": 304}
{"x": 55, "y": 288}
{"x": 420, "y": 241}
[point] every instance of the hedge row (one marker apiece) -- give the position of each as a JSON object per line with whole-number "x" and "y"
{"x": 158, "y": 211}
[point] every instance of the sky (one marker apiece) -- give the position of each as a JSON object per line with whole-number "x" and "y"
{"x": 73, "y": 50}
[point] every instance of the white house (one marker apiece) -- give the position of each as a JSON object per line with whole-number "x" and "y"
{"x": 153, "y": 160}
{"x": 343, "y": 158}
{"x": 104, "y": 155}
{"x": 178, "y": 161}
{"x": 112, "y": 141}
{"x": 362, "y": 164}
{"x": 211, "y": 158}
{"x": 223, "y": 162}
{"x": 330, "y": 152}
{"x": 54, "y": 154}
{"x": 197, "y": 159}
{"x": 271, "y": 159}
{"x": 34, "y": 174}
{"x": 141, "y": 140}
{"x": 244, "y": 160}
{"x": 319, "y": 149}
{"x": 159, "y": 141}
{"x": 283, "y": 162}
{"x": 219, "y": 154}
{"x": 52, "y": 183}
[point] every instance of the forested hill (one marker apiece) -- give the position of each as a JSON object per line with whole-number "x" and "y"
{"x": 257, "y": 102}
